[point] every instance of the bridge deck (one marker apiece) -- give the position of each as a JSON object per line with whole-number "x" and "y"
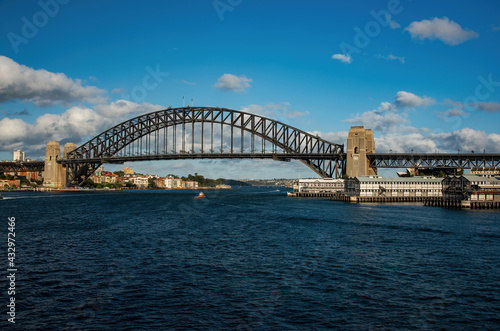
{"x": 184, "y": 156}
{"x": 21, "y": 166}
{"x": 434, "y": 160}
{"x": 377, "y": 160}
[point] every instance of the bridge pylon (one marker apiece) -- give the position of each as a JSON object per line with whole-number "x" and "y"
{"x": 360, "y": 142}
{"x": 56, "y": 175}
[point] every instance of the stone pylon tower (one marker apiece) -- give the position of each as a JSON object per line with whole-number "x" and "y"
{"x": 67, "y": 171}
{"x": 53, "y": 170}
{"x": 55, "y": 175}
{"x": 360, "y": 142}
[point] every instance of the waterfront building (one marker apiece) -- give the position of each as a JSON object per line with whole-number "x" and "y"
{"x": 319, "y": 185}
{"x": 99, "y": 171}
{"x": 177, "y": 183}
{"x": 19, "y": 156}
{"x": 160, "y": 182}
{"x": 190, "y": 185}
{"x": 169, "y": 182}
{"x": 485, "y": 172}
{"x": 128, "y": 171}
{"x": 472, "y": 188}
{"x": 109, "y": 178}
{"x": 140, "y": 182}
{"x": 377, "y": 186}
{"x": 4, "y": 183}
{"x": 29, "y": 175}
{"x": 122, "y": 180}
{"x": 96, "y": 179}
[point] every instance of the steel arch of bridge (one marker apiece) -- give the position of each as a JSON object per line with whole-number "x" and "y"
{"x": 141, "y": 139}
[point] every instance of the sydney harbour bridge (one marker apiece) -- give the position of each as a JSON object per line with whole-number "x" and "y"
{"x": 220, "y": 133}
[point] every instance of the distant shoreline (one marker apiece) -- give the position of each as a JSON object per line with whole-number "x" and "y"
{"x": 49, "y": 189}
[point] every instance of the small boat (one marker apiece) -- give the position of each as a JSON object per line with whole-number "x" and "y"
{"x": 201, "y": 195}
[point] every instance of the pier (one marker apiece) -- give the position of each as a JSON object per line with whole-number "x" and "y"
{"x": 461, "y": 204}
{"x": 312, "y": 194}
{"x": 356, "y": 199}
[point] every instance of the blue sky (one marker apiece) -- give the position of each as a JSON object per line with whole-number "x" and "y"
{"x": 422, "y": 75}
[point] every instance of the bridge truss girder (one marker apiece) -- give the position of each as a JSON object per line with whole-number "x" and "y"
{"x": 14, "y": 166}
{"x": 434, "y": 160}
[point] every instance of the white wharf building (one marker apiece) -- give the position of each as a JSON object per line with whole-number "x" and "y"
{"x": 317, "y": 187}
{"x": 377, "y": 186}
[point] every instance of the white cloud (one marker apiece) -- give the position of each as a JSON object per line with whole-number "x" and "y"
{"x": 179, "y": 165}
{"x": 455, "y": 112}
{"x": 407, "y": 99}
{"x": 23, "y": 112}
{"x": 122, "y": 108}
{"x": 386, "y": 106}
{"x": 467, "y": 140}
{"x": 449, "y": 32}
{"x": 378, "y": 121}
{"x": 255, "y": 109}
{"x": 43, "y": 88}
{"x": 391, "y": 57}
{"x": 454, "y": 104}
{"x": 278, "y": 106}
{"x": 75, "y": 124}
{"x": 13, "y": 130}
{"x": 392, "y": 131}
{"x": 401, "y": 143}
{"x": 339, "y": 137}
{"x": 394, "y": 25}
{"x": 118, "y": 91}
{"x": 391, "y": 123}
{"x": 491, "y": 107}
{"x": 229, "y": 82}
{"x": 274, "y": 111}
{"x": 294, "y": 113}
{"x": 189, "y": 83}
{"x": 387, "y": 117}
{"x": 342, "y": 57}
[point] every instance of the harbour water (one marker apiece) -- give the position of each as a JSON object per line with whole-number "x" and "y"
{"x": 248, "y": 258}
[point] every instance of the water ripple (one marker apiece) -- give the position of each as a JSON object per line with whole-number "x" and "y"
{"x": 250, "y": 259}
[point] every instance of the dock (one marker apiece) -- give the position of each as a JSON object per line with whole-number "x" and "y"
{"x": 356, "y": 199}
{"x": 312, "y": 195}
{"x": 462, "y": 204}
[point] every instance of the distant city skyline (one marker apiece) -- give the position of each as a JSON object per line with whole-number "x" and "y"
{"x": 421, "y": 76}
